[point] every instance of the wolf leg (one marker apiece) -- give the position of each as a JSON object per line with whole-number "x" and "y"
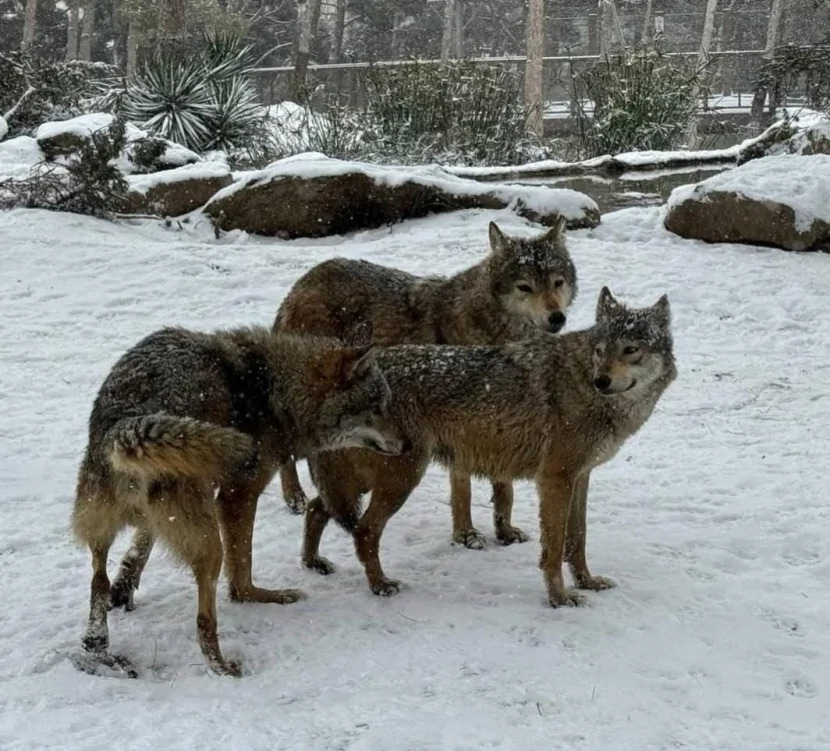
{"x": 316, "y": 519}
{"x": 463, "y": 531}
{"x": 506, "y": 533}
{"x": 131, "y": 568}
{"x": 555, "y": 492}
{"x": 292, "y": 492}
{"x": 575, "y": 542}
{"x": 237, "y": 502}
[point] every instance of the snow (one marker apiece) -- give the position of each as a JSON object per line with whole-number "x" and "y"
{"x": 570, "y": 203}
{"x": 198, "y": 171}
{"x": 800, "y": 182}
{"x": 18, "y": 156}
{"x": 714, "y": 521}
{"x": 83, "y": 125}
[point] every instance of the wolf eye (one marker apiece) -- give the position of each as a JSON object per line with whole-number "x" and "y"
{"x": 522, "y": 287}
{"x": 558, "y": 283}
{"x": 631, "y": 350}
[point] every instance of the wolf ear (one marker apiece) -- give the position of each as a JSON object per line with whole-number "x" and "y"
{"x": 339, "y": 367}
{"x": 556, "y": 232}
{"x": 606, "y": 304}
{"x": 498, "y": 242}
{"x": 662, "y": 311}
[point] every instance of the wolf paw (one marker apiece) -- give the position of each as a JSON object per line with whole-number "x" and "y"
{"x": 121, "y": 596}
{"x": 386, "y": 587}
{"x": 508, "y": 535}
{"x": 321, "y": 565}
{"x": 470, "y": 538}
{"x": 104, "y": 664}
{"x": 595, "y": 583}
{"x": 96, "y": 643}
{"x": 226, "y": 667}
{"x": 565, "y": 598}
{"x": 297, "y": 502}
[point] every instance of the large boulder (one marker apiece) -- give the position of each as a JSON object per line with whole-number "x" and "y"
{"x": 311, "y": 195}
{"x": 779, "y": 201}
{"x": 806, "y": 134}
{"x": 177, "y": 191}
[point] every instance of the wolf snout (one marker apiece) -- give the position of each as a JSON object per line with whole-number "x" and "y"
{"x": 556, "y": 321}
{"x": 602, "y": 383}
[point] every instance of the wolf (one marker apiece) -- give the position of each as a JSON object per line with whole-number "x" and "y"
{"x": 545, "y": 408}
{"x": 522, "y": 285}
{"x": 185, "y": 414}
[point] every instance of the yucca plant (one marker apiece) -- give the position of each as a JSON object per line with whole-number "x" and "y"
{"x": 202, "y": 101}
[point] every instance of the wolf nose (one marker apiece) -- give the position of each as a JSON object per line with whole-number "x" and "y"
{"x": 406, "y": 446}
{"x": 602, "y": 383}
{"x": 556, "y": 320}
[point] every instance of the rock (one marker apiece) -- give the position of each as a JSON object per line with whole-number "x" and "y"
{"x": 64, "y": 138}
{"x": 311, "y": 195}
{"x": 4, "y": 128}
{"x": 805, "y": 135}
{"x": 778, "y": 201}
{"x": 177, "y": 191}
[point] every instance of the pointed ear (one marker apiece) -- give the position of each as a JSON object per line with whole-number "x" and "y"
{"x": 338, "y": 367}
{"x": 554, "y": 234}
{"x": 606, "y": 304}
{"x": 662, "y": 311}
{"x": 498, "y": 242}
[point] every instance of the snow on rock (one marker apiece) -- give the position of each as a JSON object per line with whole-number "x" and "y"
{"x": 782, "y": 201}
{"x": 4, "y": 128}
{"x": 805, "y": 133}
{"x": 18, "y": 156}
{"x": 176, "y": 191}
{"x": 311, "y": 195}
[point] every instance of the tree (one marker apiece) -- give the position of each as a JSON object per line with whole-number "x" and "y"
{"x": 447, "y": 36}
{"x": 703, "y": 59}
{"x": 339, "y": 30}
{"x": 773, "y": 34}
{"x": 534, "y": 66}
{"x": 308, "y": 16}
{"x": 29, "y": 23}
{"x": 73, "y": 31}
{"x": 87, "y": 31}
{"x": 647, "y": 23}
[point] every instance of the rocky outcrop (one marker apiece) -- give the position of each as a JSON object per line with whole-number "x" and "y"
{"x": 177, "y": 191}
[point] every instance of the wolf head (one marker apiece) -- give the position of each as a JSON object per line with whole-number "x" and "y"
{"x": 534, "y": 277}
{"x": 632, "y": 347}
{"x": 353, "y": 407}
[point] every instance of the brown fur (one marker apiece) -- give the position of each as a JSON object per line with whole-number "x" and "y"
{"x": 184, "y": 414}
{"x": 522, "y": 285}
{"x": 545, "y": 408}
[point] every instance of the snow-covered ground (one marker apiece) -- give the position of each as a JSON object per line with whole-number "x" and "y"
{"x": 714, "y": 520}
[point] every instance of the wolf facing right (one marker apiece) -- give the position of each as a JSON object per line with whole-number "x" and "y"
{"x": 546, "y": 408}
{"x": 523, "y": 285}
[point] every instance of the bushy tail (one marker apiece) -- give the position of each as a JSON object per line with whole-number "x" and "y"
{"x": 160, "y": 444}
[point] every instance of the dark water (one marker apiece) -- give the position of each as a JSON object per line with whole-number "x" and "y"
{"x": 631, "y": 189}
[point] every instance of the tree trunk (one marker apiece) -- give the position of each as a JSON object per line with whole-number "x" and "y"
{"x": 726, "y": 41}
{"x": 447, "y": 36}
{"x": 172, "y": 25}
{"x": 29, "y": 24}
{"x": 307, "y": 10}
{"x": 87, "y": 31}
{"x": 533, "y": 67}
{"x": 702, "y": 60}
{"x": 72, "y": 30}
{"x": 647, "y": 24}
{"x": 132, "y": 50}
{"x": 773, "y": 31}
{"x": 339, "y": 30}
{"x": 458, "y": 31}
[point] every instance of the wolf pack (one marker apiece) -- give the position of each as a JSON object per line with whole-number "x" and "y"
{"x": 369, "y": 374}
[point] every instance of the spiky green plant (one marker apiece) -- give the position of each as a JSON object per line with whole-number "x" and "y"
{"x": 202, "y": 101}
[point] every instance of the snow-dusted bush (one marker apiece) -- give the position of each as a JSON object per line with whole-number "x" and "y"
{"x": 640, "y": 100}
{"x": 89, "y": 182}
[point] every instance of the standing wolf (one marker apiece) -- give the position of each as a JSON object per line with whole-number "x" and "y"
{"x": 545, "y": 408}
{"x": 183, "y": 413}
{"x": 521, "y": 286}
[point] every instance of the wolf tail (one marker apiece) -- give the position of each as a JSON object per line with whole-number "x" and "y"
{"x": 161, "y": 444}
